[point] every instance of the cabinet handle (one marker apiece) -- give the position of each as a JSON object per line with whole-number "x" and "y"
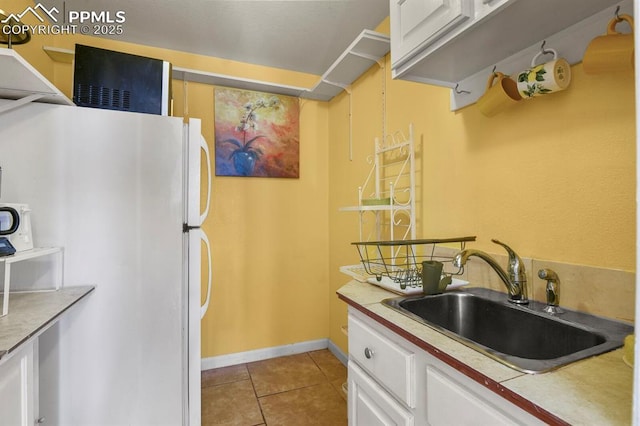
{"x": 368, "y": 353}
{"x": 40, "y": 420}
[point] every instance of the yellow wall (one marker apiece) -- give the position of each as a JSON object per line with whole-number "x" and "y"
{"x": 554, "y": 177}
{"x": 269, "y": 236}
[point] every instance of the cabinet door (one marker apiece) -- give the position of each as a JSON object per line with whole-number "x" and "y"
{"x": 370, "y": 405}
{"x": 448, "y": 390}
{"x": 17, "y": 389}
{"x": 416, "y": 24}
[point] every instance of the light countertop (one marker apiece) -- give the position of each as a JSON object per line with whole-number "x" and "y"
{"x": 595, "y": 390}
{"x": 32, "y": 312}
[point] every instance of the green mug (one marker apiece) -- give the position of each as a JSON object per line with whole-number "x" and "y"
{"x": 432, "y": 282}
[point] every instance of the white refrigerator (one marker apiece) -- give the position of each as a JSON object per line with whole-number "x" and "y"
{"x": 120, "y": 193}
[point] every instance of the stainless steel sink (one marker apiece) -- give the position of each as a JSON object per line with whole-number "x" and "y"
{"x": 523, "y": 337}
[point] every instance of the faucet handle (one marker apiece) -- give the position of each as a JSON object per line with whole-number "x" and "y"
{"x": 516, "y": 266}
{"x": 517, "y": 274}
{"x": 512, "y": 254}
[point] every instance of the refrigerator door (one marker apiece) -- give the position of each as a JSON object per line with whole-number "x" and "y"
{"x": 108, "y": 186}
{"x": 194, "y": 237}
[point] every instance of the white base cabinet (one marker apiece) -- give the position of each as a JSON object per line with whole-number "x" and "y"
{"x": 394, "y": 382}
{"x": 17, "y": 388}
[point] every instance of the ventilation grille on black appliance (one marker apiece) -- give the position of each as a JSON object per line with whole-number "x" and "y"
{"x": 102, "y": 97}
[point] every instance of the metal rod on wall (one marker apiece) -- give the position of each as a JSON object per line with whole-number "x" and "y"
{"x": 350, "y": 127}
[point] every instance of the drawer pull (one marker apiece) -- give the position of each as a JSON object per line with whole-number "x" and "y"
{"x": 368, "y": 353}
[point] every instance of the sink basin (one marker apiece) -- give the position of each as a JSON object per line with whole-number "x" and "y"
{"x": 523, "y": 337}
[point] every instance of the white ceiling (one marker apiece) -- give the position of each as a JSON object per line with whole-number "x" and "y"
{"x": 300, "y": 35}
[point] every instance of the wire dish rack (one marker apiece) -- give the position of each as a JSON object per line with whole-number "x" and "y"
{"x": 397, "y": 265}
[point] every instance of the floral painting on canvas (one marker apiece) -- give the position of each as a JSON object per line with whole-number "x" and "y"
{"x": 256, "y": 134}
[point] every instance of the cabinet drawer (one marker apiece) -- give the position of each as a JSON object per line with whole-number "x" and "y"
{"x": 391, "y": 364}
{"x": 370, "y": 405}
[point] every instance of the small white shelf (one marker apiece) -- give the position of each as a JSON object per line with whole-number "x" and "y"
{"x": 235, "y": 82}
{"x": 368, "y": 48}
{"x": 23, "y": 83}
{"x": 30, "y": 254}
{"x": 20, "y": 257}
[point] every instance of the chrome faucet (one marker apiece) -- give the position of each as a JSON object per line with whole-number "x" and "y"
{"x": 515, "y": 278}
{"x": 553, "y": 291}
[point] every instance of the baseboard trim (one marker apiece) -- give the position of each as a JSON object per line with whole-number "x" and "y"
{"x": 342, "y": 357}
{"x": 267, "y": 353}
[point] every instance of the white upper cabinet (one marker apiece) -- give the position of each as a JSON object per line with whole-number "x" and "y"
{"x": 421, "y": 27}
{"x": 418, "y": 23}
{"x": 444, "y": 42}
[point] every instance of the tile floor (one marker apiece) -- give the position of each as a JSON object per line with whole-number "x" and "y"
{"x": 296, "y": 390}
